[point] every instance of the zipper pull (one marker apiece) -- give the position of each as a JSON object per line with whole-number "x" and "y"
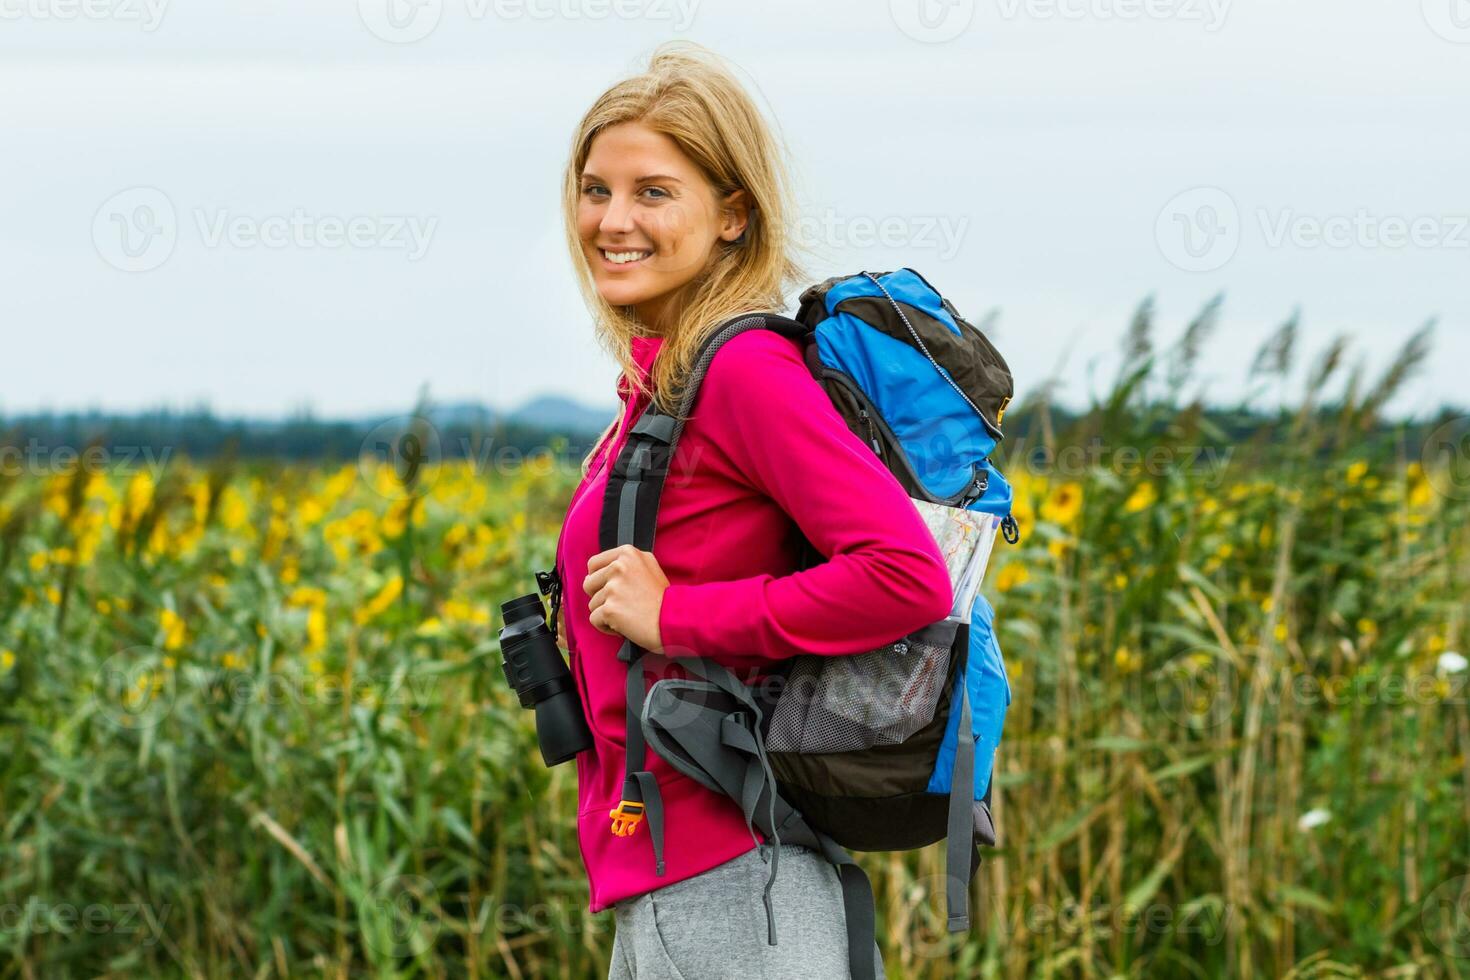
{"x": 872, "y": 434}
{"x": 1010, "y": 530}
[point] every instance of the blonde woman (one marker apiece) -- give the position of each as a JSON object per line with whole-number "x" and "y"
{"x": 676, "y": 207}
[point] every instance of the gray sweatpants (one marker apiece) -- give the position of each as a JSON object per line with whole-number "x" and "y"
{"x": 713, "y": 926}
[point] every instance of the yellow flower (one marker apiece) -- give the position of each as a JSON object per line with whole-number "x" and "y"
{"x": 1062, "y": 505}
{"x": 231, "y": 661}
{"x": 1367, "y": 627}
{"x": 104, "y": 607}
{"x": 378, "y": 603}
{"x": 173, "y": 629}
{"x": 7, "y": 660}
{"x": 1120, "y": 582}
{"x": 1144, "y": 496}
{"x": 1012, "y": 575}
{"x": 430, "y": 627}
{"x": 1281, "y": 633}
{"x": 1126, "y": 660}
{"x": 1356, "y": 472}
{"x": 316, "y": 629}
{"x": 53, "y": 595}
{"x": 38, "y": 561}
{"x": 307, "y": 596}
{"x": 463, "y": 612}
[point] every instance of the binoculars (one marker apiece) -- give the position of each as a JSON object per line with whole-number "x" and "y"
{"x": 536, "y": 671}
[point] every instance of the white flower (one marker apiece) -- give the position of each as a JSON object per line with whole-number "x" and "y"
{"x": 1451, "y": 662}
{"x": 1313, "y": 818}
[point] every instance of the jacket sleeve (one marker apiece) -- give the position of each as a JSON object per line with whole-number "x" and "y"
{"x": 884, "y": 576}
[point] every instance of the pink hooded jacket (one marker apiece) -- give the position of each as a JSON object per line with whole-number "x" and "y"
{"x": 764, "y": 459}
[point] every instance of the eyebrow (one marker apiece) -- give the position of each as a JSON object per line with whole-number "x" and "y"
{"x": 640, "y": 180}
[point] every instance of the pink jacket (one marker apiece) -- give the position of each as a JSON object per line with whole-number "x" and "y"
{"x": 764, "y": 458}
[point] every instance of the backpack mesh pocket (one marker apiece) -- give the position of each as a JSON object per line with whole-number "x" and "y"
{"x": 846, "y": 703}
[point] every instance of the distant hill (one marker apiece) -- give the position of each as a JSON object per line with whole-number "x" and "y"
{"x": 201, "y": 434}
{"x": 563, "y": 414}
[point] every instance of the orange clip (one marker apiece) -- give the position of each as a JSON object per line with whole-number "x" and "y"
{"x": 626, "y": 817}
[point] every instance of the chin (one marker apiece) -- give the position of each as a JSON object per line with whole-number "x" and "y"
{"x": 621, "y": 294}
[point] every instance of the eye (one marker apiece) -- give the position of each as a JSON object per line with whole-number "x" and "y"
{"x": 656, "y": 190}
{"x": 592, "y": 190}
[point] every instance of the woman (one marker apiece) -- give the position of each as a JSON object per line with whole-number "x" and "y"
{"x": 676, "y": 208}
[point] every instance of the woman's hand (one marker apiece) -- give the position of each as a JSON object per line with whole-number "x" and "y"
{"x": 627, "y": 589}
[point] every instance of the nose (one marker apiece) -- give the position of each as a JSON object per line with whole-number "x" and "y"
{"x": 618, "y": 218}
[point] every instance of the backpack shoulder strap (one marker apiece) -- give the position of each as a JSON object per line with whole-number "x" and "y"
{"x": 629, "y": 515}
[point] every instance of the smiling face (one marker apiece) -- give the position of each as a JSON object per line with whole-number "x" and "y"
{"x": 648, "y": 218}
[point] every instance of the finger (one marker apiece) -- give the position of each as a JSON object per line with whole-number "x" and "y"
{"x": 618, "y": 564}
{"x": 605, "y": 557}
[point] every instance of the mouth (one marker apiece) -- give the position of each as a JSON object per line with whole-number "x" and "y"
{"x": 626, "y": 259}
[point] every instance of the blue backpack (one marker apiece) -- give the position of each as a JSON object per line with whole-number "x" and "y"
{"x": 890, "y": 749}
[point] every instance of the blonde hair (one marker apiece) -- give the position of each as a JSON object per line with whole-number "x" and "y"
{"x": 689, "y": 95}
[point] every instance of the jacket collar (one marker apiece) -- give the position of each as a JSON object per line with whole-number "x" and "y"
{"x": 644, "y": 350}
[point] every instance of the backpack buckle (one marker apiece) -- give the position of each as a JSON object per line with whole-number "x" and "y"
{"x": 626, "y": 817}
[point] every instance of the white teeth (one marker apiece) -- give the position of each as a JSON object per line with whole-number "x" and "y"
{"x": 623, "y": 257}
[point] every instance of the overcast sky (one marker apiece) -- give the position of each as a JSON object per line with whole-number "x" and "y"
{"x": 269, "y": 204}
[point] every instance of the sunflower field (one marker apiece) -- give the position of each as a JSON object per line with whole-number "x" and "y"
{"x": 253, "y": 721}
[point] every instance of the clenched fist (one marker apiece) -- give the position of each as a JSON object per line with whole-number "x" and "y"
{"x": 627, "y": 589}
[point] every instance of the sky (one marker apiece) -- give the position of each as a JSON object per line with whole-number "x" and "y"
{"x": 268, "y": 206}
